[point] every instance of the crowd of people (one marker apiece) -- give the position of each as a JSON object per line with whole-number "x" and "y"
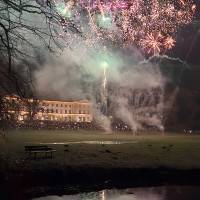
{"x": 58, "y": 125}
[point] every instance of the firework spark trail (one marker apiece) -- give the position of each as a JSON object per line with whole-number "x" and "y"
{"x": 104, "y": 92}
{"x": 128, "y": 22}
{"x": 104, "y": 78}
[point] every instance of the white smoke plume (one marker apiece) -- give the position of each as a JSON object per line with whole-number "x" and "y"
{"x": 76, "y": 75}
{"x": 123, "y": 112}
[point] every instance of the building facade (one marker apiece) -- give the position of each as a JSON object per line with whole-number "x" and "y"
{"x": 74, "y": 111}
{"x": 49, "y": 110}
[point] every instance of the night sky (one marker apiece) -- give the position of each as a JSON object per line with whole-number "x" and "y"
{"x": 188, "y": 40}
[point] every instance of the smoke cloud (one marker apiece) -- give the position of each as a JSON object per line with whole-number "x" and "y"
{"x": 137, "y": 86}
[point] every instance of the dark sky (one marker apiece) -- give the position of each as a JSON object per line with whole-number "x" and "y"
{"x": 188, "y": 44}
{"x": 188, "y": 41}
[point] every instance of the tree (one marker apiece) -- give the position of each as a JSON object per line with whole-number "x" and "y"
{"x": 17, "y": 26}
{"x": 32, "y": 108}
{"x": 10, "y": 110}
{"x": 25, "y": 26}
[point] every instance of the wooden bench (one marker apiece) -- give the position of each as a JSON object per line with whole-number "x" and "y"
{"x": 39, "y": 149}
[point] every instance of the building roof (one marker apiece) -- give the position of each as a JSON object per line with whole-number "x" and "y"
{"x": 53, "y": 100}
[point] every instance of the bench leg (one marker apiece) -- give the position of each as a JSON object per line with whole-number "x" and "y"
{"x": 47, "y": 155}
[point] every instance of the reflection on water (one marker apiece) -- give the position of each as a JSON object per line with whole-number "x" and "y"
{"x": 92, "y": 142}
{"x": 154, "y": 193}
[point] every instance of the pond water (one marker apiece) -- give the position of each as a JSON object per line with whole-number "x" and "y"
{"x": 151, "y": 193}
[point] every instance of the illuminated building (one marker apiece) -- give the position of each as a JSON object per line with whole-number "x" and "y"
{"x": 76, "y": 111}
{"x": 49, "y": 110}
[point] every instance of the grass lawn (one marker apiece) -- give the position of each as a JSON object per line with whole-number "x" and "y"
{"x": 143, "y": 151}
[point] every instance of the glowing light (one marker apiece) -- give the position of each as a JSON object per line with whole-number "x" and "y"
{"x": 63, "y": 9}
{"x": 194, "y": 7}
{"x": 103, "y": 196}
{"x": 104, "y": 21}
{"x": 105, "y": 64}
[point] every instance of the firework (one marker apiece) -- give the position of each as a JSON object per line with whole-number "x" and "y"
{"x": 106, "y": 5}
{"x": 152, "y": 43}
{"x": 169, "y": 43}
{"x": 149, "y": 24}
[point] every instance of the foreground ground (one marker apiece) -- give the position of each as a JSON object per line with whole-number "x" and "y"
{"x": 153, "y": 150}
{"x": 144, "y": 158}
